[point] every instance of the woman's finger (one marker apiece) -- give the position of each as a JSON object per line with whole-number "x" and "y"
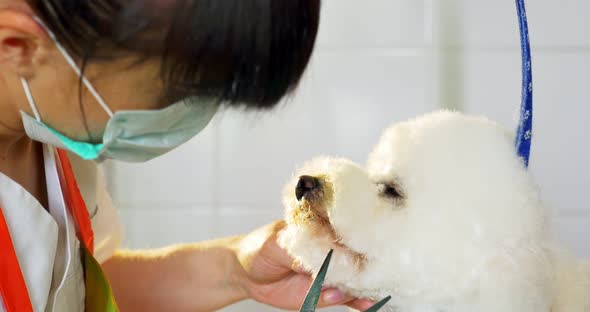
{"x": 333, "y": 296}
{"x": 360, "y": 304}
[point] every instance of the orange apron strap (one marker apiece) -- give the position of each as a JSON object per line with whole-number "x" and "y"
{"x": 12, "y": 283}
{"x": 75, "y": 202}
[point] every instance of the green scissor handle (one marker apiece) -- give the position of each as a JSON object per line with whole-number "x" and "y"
{"x": 313, "y": 295}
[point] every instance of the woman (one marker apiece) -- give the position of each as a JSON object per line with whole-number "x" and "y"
{"x": 131, "y": 80}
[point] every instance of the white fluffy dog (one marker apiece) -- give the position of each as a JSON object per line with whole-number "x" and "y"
{"x": 445, "y": 217}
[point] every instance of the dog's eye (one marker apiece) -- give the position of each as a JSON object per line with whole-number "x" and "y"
{"x": 389, "y": 190}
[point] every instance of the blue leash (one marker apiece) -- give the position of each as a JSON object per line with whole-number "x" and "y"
{"x": 524, "y": 132}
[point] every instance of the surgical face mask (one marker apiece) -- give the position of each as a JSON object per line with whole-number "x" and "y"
{"x": 132, "y": 136}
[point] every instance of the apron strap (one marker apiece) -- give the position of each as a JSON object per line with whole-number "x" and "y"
{"x": 13, "y": 289}
{"x": 75, "y": 202}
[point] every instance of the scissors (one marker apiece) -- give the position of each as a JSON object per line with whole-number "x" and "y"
{"x": 313, "y": 295}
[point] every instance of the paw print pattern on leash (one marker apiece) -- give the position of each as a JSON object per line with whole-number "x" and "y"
{"x": 525, "y": 126}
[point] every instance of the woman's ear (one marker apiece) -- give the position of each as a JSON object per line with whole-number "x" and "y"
{"x": 21, "y": 42}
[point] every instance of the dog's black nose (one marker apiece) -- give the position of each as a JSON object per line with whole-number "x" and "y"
{"x": 306, "y": 185}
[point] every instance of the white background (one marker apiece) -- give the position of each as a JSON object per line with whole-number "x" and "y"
{"x": 378, "y": 62}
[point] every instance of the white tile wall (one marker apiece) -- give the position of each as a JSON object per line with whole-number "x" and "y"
{"x": 350, "y": 24}
{"x": 155, "y": 226}
{"x": 489, "y": 24}
{"x": 377, "y": 62}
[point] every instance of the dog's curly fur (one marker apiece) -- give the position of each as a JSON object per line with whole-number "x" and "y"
{"x": 444, "y": 217}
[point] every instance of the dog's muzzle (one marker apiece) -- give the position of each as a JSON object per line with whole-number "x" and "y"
{"x": 314, "y": 196}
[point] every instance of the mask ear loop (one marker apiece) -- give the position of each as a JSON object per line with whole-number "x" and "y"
{"x": 75, "y": 67}
{"x": 30, "y": 98}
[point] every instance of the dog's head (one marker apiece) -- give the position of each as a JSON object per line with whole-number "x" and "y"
{"x": 440, "y": 193}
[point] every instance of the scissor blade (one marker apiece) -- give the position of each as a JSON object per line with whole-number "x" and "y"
{"x": 313, "y": 295}
{"x": 378, "y": 305}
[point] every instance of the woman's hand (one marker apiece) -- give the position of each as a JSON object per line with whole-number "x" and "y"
{"x": 208, "y": 276}
{"x": 273, "y": 278}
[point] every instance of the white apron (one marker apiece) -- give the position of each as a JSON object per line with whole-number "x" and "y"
{"x": 45, "y": 241}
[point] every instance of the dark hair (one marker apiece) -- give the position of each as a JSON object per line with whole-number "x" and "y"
{"x": 243, "y": 52}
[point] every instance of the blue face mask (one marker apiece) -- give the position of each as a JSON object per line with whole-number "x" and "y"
{"x": 132, "y": 136}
